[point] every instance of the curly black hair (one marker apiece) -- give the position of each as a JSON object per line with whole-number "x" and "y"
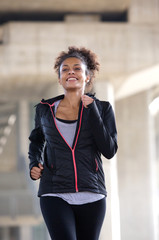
{"x": 85, "y": 55}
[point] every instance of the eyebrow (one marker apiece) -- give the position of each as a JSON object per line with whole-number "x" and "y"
{"x": 65, "y": 65}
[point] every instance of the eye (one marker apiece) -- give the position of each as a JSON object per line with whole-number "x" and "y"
{"x": 77, "y": 68}
{"x": 64, "y": 69}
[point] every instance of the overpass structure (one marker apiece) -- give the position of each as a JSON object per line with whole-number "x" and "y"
{"x": 125, "y": 36}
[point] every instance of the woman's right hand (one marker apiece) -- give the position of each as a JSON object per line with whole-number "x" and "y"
{"x": 36, "y": 171}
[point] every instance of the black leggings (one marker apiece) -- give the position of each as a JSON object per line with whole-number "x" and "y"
{"x": 72, "y": 222}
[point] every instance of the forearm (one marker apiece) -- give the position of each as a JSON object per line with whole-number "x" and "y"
{"x": 104, "y": 131}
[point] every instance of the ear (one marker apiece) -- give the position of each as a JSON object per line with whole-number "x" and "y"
{"x": 87, "y": 79}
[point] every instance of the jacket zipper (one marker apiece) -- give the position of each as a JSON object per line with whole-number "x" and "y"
{"x": 72, "y": 149}
{"x": 75, "y": 169}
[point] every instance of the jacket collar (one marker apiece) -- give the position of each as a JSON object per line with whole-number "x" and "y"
{"x": 50, "y": 101}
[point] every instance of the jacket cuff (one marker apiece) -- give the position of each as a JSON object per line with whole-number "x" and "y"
{"x": 91, "y": 105}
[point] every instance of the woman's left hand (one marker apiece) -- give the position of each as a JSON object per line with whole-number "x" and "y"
{"x": 86, "y": 100}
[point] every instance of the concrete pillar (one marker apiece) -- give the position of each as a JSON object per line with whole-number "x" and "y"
{"x": 54, "y": 89}
{"x": 23, "y": 130}
{"x": 23, "y": 146}
{"x": 134, "y": 168}
{"x": 5, "y": 233}
{"x": 144, "y": 11}
{"x": 25, "y": 232}
{"x": 154, "y": 143}
{"x": 111, "y": 226}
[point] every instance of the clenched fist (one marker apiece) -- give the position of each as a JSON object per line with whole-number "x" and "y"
{"x": 86, "y": 100}
{"x": 36, "y": 171}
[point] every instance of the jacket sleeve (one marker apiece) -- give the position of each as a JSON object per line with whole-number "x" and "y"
{"x": 37, "y": 141}
{"x": 104, "y": 129}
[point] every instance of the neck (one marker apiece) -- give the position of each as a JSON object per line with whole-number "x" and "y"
{"x": 72, "y": 98}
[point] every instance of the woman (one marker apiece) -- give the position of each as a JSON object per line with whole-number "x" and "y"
{"x": 71, "y": 132}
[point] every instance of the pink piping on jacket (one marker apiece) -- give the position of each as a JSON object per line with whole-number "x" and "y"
{"x": 72, "y": 149}
{"x": 96, "y": 165}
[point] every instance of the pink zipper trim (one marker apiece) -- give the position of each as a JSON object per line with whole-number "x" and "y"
{"x": 75, "y": 169}
{"x": 96, "y": 165}
{"x": 72, "y": 150}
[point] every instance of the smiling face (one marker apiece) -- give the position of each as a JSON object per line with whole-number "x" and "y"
{"x": 73, "y": 74}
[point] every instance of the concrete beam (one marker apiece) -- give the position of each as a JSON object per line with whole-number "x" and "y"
{"x": 58, "y": 6}
{"x": 144, "y": 11}
{"x": 29, "y": 50}
{"x": 138, "y": 82}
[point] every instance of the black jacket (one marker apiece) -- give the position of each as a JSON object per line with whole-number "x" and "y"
{"x": 78, "y": 168}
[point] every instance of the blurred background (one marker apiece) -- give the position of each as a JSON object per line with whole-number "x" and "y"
{"x": 125, "y": 36}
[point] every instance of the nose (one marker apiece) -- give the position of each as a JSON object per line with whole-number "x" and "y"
{"x": 71, "y": 71}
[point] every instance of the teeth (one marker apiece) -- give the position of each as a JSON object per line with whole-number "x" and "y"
{"x": 71, "y": 79}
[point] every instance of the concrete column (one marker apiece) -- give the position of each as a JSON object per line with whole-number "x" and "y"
{"x": 25, "y": 233}
{"x": 53, "y": 90}
{"x": 23, "y": 131}
{"x": 23, "y": 146}
{"x": 5, "y": 233}
{"x": 134, "y": 168}
{"x": 154, "y": 143}
{"x": 111, "y": 226}
{"x": 144, "y": 11}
